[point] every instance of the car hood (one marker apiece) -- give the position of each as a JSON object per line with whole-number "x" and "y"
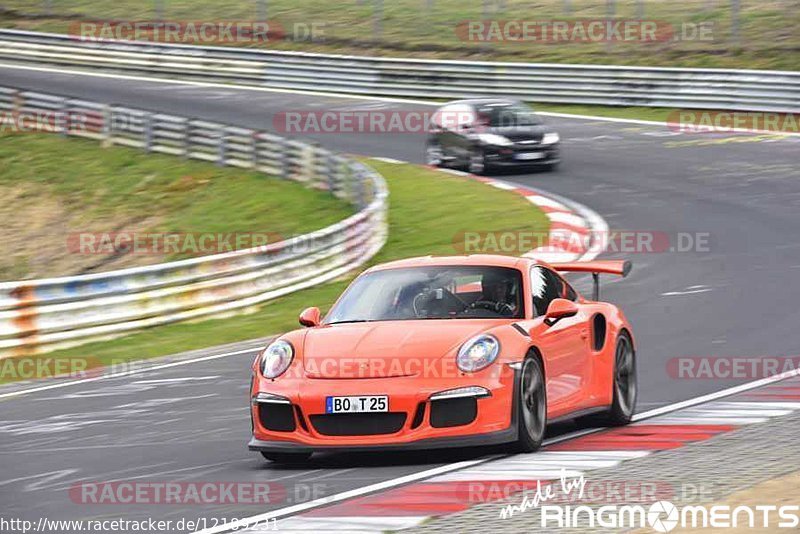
{"x": 386, "y": 348}
{"x": 522, "y": 133}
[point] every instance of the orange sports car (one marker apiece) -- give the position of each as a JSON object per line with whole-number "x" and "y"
{"x": 445, "y": 352}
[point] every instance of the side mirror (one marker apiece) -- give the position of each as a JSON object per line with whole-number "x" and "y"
{"x": 310, "y": 317}
{"x": 558, "y": 309}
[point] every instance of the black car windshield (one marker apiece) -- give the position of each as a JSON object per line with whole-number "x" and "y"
{"x": 441, "y": 292}
{"x": 507, "y": 116}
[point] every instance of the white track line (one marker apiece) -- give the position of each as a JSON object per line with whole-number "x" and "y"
{"x": 429, "y": 473}
{"x": 124, "y": 373}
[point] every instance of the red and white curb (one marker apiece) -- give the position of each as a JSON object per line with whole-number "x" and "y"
{"x": 576, "y": 232}
{"x": 410, "y": 505}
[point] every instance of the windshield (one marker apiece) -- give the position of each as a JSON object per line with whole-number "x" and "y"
{"x": 507, "y": 115}
{"x": 452, "y": 292}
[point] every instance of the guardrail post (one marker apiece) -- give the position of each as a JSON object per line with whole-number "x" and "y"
{"x": 187, "y": 138}
{"x": 108, "y": 126}
{"x": 147, "y": 119}
{"x": 735, "y": 8}
{"x": 361, "y": 192}
{"x": 221, "y": 148}
{"x": 285, "y": 158}
{"x": 254, "y": 138}
{"x": 63, "y": 123}
{"x": 332, "y": 175}
{"x": 377, "y": 20}
{"x": 310, "y": 159}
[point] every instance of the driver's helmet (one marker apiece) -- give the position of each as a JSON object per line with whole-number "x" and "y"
{"x": 497, "y": 286}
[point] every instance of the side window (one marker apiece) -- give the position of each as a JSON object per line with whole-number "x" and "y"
{"x": 569, "y": 293}
{"x": 545, "y": 286}
{"x": 454, "y": 116}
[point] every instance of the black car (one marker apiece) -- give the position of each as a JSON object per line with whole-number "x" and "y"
{"x": 481, "y": 135}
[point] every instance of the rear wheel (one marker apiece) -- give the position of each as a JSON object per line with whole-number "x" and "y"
{"x": 286, "y": 457}
{"x": 532, "y": 403}
{"x": 625, "y": 387}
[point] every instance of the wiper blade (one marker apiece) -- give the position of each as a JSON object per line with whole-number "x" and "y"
{"x": 352, "y": 321}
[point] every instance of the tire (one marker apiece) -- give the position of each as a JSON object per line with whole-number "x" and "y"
{"x": 477, "y": 162}
{"x": 433, "y": 154}
{"x": 532, "y": 407}
{"x": 625, "y": 387}
{"x": 286, "y": 457}
{"x": 550, "y": 167}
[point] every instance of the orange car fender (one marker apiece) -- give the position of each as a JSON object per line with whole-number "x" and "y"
{"x": 615, "y": 322}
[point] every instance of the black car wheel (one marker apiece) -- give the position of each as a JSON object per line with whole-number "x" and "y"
{"x": 433, "y": 154}
{"x": 625, "y": 388}
{"x": 532, "y": 402}
{"x": 477, "y": 161}
{"x": 551, "y": 167}
{"x": 286, "y": 457}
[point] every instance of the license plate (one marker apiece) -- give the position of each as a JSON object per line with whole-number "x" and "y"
{"x": 530, "y": 155}
{"x": 361, "y": 404}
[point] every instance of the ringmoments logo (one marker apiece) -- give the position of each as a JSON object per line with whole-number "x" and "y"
{"x": 664, "y": 516}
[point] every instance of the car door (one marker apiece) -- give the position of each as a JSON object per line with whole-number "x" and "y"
{"x": 564, "y": 345}
{"x": 456, "y": 121}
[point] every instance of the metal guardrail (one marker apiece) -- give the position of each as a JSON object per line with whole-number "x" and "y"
{"x": 42, "y": 315}
{"x": 571, "y": 84}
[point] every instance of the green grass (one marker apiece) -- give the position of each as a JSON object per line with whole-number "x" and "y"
{"x": 768, "y": 38}
{"x": 428, "y": 210}
{"x": 75, "y": 186}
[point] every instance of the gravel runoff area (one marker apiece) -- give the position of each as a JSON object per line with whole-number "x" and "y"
{"x": 753, "y": 465}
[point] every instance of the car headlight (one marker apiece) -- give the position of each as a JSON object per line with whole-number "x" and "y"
{"x": 494, "y": 139}
{"x": 478, "y": 353}
{"x": 550, "y": 138}
{"x": 276, "y": 358}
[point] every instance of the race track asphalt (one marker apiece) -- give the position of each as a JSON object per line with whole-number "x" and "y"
{"x": 189, "y": 423}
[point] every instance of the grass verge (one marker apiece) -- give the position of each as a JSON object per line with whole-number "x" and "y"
{"x": 58, "y": 190}
{"x": 428, "y": 211}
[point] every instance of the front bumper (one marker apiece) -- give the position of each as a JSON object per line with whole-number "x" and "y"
{"x": 443, "y": 423}
{"x": 523, "y": 156}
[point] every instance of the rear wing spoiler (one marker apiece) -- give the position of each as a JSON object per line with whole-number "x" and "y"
{"x": 618, "y": 267}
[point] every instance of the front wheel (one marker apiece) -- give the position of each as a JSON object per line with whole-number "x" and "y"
{"x": 286, "y": 457}
{"x": 550, "y": 167}
{"x": 532, "y": 403}
{"x": 433, "y": 154}
{"x": 477, "y": 161}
